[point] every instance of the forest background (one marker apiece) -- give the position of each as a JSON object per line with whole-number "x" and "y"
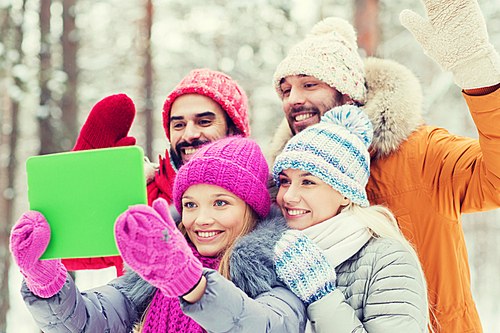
{"x": 60, "y": 57}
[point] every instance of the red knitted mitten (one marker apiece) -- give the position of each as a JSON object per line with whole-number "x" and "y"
{"x": 108, "y": 124}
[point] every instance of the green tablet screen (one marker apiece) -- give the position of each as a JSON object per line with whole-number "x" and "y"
{"x": 81, "y": 194}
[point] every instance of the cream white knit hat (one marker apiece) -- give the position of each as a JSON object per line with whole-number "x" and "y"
{"x": 330, "y": 54}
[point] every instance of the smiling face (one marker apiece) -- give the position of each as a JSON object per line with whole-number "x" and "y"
{"x": 306, "y": 99}
{"x": 195, "y": 120}
{"x": 213, "y": 217}
{"x": 306, "y": 200}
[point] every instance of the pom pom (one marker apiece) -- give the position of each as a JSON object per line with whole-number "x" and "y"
{"x": 339, "y": 26}
{"x": 353, "y": 119}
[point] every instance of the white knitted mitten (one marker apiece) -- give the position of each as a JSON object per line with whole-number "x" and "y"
{"x": 455, "y": 37}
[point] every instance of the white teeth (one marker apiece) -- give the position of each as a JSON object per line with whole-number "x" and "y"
{"x": 304, "y": 116}
{"x": 296, "y": 212}
{"x": 207, "y": 234}
{"x": 189, "y": 151}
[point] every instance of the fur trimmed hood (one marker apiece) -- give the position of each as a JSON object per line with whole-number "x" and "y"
{"x": 394, "y": 106}
{"x": 252, "y": 257}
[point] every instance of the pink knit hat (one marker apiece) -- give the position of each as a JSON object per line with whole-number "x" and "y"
{"x": 219, "y": 87}
{"x": 235, "y": 164}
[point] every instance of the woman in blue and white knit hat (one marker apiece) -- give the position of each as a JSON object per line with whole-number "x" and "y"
{"x": 379, "y": 285}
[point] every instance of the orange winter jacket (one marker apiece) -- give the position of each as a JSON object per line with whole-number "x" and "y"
{"x": 428, "y": 178}
{"x": 428, "y": 183}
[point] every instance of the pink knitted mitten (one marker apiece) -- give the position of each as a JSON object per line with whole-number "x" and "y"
{"x": 28, "y": 240}
{"x": 108, "y": 124}
{"x": 151, "y": 244}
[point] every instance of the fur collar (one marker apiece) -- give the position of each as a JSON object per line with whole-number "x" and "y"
{"x": 138, "y": 290}
{"x": 252, "y": 257}
{"x": 394, "y": 104}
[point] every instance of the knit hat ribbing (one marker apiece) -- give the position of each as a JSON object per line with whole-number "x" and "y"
{"x": 235, "y": 164}
{"x": 219, "y": 87}
{"x": 334, "y": 150}
{"x": 329, "y": 54}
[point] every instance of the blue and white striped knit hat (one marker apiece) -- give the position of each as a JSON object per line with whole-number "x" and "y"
{"x": 334, "y": 150}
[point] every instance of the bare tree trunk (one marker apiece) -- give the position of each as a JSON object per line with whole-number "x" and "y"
{"x": 367, "y": 25}
{"x": 47, "y": 141}
{"x": 9, "y": 138}
{"x": 148, "y": 84}
{"x": 69, "y": 101}
{"x": 69, "y": 104}
{"x": 45, "y": 55}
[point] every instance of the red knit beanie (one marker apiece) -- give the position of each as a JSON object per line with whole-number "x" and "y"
{"x": 219, "y": 87}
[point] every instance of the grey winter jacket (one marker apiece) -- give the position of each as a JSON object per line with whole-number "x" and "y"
{"x": 119, "y": 305}
{"x": 223, "y": 308}
{"x": 379, "y": 289}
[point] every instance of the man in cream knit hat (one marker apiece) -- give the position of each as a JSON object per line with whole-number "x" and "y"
{"x": 326, "y": 67}
{"x": 425, "y": 175}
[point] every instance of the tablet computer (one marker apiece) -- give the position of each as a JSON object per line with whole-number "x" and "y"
{"x": 81, "y": 194}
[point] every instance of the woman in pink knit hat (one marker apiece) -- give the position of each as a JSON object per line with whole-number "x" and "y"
{"x": 183, "y": 278}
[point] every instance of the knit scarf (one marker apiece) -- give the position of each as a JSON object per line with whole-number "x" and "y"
{"x": 339, "y": 237}
{"x": 165, "y": 314}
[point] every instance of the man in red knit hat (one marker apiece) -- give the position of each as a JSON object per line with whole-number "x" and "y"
{"x": 205, "y": 106}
